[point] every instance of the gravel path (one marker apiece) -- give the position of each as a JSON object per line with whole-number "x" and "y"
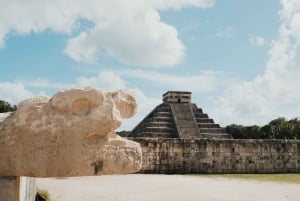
{"x": 138, "y": 187}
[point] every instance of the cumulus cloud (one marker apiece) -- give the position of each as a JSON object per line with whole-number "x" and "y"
{"x": 14, "y": 92}
{"x": 258, "y": 41}
{"x": 204, "y": 81}
{"x": 275, "y": 92}
{"x": 130, "y": 31}
{"x": 105, "y": 80}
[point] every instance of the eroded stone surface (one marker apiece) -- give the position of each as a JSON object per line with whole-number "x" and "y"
{"x": 70, "y": 134}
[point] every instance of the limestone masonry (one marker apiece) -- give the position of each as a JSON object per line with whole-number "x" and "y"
{"x": 70, "y": 134}
{"x": 186, "y": 156}
{"x": 177, "y": 117}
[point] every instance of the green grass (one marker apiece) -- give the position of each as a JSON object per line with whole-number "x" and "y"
{"x": 283, "y": 178}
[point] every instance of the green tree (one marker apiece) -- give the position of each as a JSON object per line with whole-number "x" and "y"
{"x": 275, "y": 126}
{"x": 6, "y": 107}
{"x": 236, "y": 131}
{"x": 265, "y": 132}
{"x": 279, "y": 128}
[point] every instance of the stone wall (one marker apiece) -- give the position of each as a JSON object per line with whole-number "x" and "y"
{"x": 183, "y": 156}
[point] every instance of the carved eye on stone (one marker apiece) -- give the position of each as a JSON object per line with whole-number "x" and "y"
{"x": 81, "y": 107}
{"x": 77, "y": 101}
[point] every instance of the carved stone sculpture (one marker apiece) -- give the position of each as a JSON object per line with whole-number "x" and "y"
{"x": 70, "y": 134}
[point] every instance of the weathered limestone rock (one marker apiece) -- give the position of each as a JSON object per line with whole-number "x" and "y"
{"x": 70, "y": 134}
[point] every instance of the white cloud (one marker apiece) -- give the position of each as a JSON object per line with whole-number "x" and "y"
{"x": 258, "y": 41}
{"x": 45, "y": 83}
{"x": 275, "y": 92}
{"x": 130, "y": 31}
{"x": 106, "y": 80}
{"x": 204, "y": 81}
{"x": 178, "y": 4}
{"x": 227, "y": 32}
{"x": 13, "y": 92}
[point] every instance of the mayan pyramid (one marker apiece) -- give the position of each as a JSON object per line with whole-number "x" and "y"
{"x": 177, "y": 117}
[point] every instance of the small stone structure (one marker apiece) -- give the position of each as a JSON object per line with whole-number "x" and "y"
{"x": 70, "y": 134}
{"x": 177, "y": 117}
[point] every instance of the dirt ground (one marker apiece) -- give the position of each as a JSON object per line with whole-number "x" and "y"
{"x": 138, "y": 187}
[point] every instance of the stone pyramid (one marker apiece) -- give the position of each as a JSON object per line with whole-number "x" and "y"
{"x": 177, "y": 117}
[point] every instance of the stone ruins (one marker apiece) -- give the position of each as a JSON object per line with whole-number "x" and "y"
{"x": 70, "y": 134}
{"x": 177, "y": 117}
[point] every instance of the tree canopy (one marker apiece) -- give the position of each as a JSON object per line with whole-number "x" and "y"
{"x": 279, "y": 128}
{"x": 6, "y": 107}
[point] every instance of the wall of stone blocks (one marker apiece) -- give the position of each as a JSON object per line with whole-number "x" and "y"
{"x": 185, "y": 156}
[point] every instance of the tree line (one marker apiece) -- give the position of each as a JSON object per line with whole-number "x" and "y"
{"x": 6, "y": 107}
{"x": 279, "y": 128}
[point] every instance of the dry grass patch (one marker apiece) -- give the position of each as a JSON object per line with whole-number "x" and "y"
{"x": 286, "y": 178}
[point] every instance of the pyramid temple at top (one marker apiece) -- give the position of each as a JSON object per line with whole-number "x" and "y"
{"x": 177, "y": 117}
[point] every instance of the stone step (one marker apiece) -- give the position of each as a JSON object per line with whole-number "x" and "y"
{"x": 202, "y": 115}
{"x": 162, "y": 114}
{"x": 199, "y": 110}
{"x": 208, "y": 125}
{"x": 187, "y": 125}
{"x": 160, "y": 119}
{"x": 158, "y": 122}
{"x": 163, "y": 109}
{"x": 158, "y": 129}
{"x": 188, "y": 132}
{"x": 183, "y": 116}
{"x": 204, "y": 120}
{"x": 212, "y": 130}
{"x": 161, "y": 124}
{"x": 185, "y": 121}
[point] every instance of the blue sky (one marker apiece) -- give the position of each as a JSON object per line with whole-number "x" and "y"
{"x": 240, "y": 59}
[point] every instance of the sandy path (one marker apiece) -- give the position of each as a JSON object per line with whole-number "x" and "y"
{"x": 166, "y": 188}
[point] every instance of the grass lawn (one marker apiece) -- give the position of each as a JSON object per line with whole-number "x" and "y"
{"x": 287, "y": 178}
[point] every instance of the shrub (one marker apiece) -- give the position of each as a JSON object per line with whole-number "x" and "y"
{"x": 42, "y": 195}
